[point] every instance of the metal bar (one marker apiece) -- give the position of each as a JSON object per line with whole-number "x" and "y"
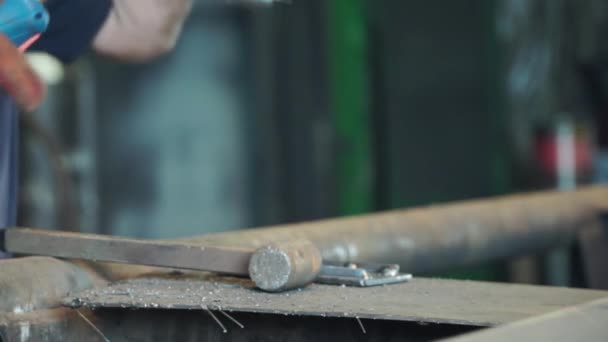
{"x": 588, "y": 322}
{"x": 224, "y": 260}
{"x": 438, "y": 237}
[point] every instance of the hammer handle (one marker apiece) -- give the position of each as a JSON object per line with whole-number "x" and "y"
{"x": 232, "y": 261}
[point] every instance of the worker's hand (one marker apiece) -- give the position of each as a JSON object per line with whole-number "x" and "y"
{"x": 17, "y": 77}
{"x": 140, "y": 30}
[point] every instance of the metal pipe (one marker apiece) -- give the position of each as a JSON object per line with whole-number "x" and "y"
{"x": 441, "y": 236}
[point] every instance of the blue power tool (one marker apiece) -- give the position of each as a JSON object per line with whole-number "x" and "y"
{"x": 22, "y": 20}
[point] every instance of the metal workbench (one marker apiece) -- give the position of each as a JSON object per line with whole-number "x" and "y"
{"x": 46, "y": 299}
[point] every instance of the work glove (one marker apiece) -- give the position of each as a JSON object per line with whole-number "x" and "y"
{"x": 140, "y": 30}
{"x": 17, "y": 77}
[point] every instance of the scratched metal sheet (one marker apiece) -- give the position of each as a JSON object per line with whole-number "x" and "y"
{"x": 422, "y": 300}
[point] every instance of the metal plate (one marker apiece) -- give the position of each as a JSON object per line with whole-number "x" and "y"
{"x": 421, "y": 300}
{"x": 587, "y": 322}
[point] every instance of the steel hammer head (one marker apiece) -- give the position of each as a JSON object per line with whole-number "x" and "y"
{"x": 285, "y": 265}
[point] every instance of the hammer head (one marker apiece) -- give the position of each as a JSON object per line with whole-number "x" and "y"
{"x": 285, "y": 266}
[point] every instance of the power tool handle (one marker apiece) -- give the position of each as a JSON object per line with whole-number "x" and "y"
{"x": 20, "y": 20}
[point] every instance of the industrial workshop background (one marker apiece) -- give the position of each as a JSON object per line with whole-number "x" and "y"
{"x": 316, "y": 108}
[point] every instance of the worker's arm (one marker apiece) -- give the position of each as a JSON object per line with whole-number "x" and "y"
{"x": 139, "y": 30}
{"x": 130, "y": 30}
{"x": 73, "y": 26}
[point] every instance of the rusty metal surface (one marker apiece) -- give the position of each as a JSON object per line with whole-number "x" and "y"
{"x": 225, "y": 260}
{"x": 583, "y": 323}
{"x": 60, "y": 324}
{"x": 438, "y": 237}
{"x": 430, "y": 238}
{"x": 32, "y": 283}
{"x": 423, "y": 300}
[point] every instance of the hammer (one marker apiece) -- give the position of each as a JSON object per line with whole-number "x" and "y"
{"x": 277, "y": 267}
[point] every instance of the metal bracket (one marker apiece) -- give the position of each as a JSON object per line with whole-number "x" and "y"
{"x": 361, "y": 275}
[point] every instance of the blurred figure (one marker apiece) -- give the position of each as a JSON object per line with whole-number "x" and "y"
{"x": 127, "y": 30}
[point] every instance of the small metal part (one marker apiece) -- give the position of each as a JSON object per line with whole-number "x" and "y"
{"x": 361, "y": 325}
{"x": 234, "y": 320}
{"x": 217, "y": 320}
{"x": 87, "y": 321}
{"x": 283, "y": 266}
{"x": 390, "y": 270}
{"x": 361, "y": 275}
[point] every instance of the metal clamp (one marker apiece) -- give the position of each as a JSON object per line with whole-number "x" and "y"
{"x": 361, "y": 275}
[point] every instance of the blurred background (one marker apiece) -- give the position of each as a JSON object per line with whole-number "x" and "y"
{"x": 317, "y": 108}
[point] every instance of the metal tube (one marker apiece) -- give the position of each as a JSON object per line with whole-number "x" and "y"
{"x": 442, "y": 236}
